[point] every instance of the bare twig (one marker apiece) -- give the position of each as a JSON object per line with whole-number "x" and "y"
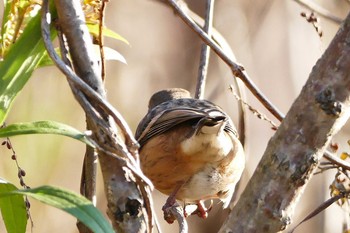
{"x": 123, "y": 177}
{"x": 87, "y": 90}
{"x": 205, "y": 51}
{"x": 237, "y": 70}
{"x": 319, "y": 10}
{"x": 132, "y": 143}
{"x": 239, "y": 86}
{"x": 89, "y": 171}
{"x": 323, "y": 168}
{"x": 314, "y": 21}
{"x": 319, "y": 209}
{"x": 177, "y": 211}
{"x": 88, "y": 182}
{"x": 334, "y": 159}
{"x": 63, "y": 48}
{"x": 101, "y": 39}
{"x": 21, "y": 174}
{"x": 254, "y": 111}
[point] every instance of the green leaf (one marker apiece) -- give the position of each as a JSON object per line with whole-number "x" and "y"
{"x": 46, "y": 59}
{"x": 21, "y": 60}
{"x": 44, "y": 127}
{"x": 72, "y": 203}
{"x": 13, "y": 209}
{"x": 94, "y": 30}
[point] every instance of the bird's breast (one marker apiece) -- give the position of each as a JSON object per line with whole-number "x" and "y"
{"x": 208, "y": 146}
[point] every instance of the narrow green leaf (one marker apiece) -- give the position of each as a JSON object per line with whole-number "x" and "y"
{"x": 13, "y": 209}
{"x": 72, "y": 203}
{"x": 44, "y": 127}
{"x": 94, "y": 30}
{"x": 19, "y": 64}
{"x": 46, "y": 59}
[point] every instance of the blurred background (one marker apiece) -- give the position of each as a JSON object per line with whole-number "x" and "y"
{"x": 277, "y": 47}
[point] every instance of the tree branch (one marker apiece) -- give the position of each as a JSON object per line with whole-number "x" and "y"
{"x": 319, "y": 10}
{"x": 178, "y": 212}
{"x": 205, "y": 51}
{"x": 127, "y": 190}
{"x": 238, "y": 84}
{"x": 236, "y": 69}
{"x": 293, "y": 153}
{"x": 228, "y": 58}
{"x": 101, "y": 38}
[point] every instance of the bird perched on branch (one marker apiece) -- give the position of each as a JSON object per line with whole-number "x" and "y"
{"x": 189, "y": 149}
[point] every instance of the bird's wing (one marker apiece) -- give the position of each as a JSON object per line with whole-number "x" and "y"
{"x": 172, "y": 113}
{"x": 165, "y": 121}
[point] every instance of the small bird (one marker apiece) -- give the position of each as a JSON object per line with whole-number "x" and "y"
{"x": 189, "y": 149}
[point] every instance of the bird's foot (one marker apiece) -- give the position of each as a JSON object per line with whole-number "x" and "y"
{"x": 167, "y": 209}
{"x": 201, "y": 210}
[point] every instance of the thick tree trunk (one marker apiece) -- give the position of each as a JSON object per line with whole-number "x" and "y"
{"x": 322, "y": 108}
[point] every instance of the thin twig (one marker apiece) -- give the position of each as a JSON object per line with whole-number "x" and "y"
{"x": 322, "y": 169}
{"x": 239, "y": 86}
{"x": 89, "y": 91}
{"x": 319, "y": 10}
{"x": 88, "y": 176}
{"x": 254, "y": 111}
{"x": 314, "y": 21}
{"x": 89, "y": 170}
{"x": 21, "y": 173}
{"x": 236, "y": 69}
{"x": 121, "y": 146}
{"x": 334, "y": 159}
{"x": 130, "y": 140}
{"x": 205, "y": 51}
{"x": 63, "y": 48}
{"x": 319, "y": 209}
{"x": 101, "y": 40}
{"x": 177, "y": 212}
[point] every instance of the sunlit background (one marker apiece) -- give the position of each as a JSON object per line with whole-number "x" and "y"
{"x": 277, "y": 47}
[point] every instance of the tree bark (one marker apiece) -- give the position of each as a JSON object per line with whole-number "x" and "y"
{"x": 267, "y": 204}
{"x": 128, "y": 209}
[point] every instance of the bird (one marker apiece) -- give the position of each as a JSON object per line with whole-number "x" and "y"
{"x": 189, "y": 149}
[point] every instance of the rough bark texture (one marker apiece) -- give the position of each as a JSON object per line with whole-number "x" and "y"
{"x": 72, "y": 23}
{"x": 322, "y": 108}
{"x": 125, "y": 203}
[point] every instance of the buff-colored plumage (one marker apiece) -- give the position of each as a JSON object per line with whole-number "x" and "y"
{"x": 189, "y": 148}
